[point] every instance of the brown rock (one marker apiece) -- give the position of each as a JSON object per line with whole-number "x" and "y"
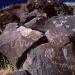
{"x": 20, "y": 73}
{"x": 57, "y": 37}
{"x": 44, "y": 60}
{"x": 68, "y": 52}
{"x": 14, "y": 43}
{"x": 21, "y": 14}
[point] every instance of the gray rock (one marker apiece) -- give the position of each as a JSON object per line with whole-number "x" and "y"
{"x": 55, "y": 22}
{"x": 38, "y": 2}
{"x": 68, "y": 52}
{"x": 62, "y": 21}
{"x": 9, "y": 34}
{"x": 37, "y": 23}
{"x": 20, "y": 73}
{"x": 57, "y": 37}
{"x": 14, "y": 43}
{"x": 20, "y": 14}
{"x": 44, "y": 60}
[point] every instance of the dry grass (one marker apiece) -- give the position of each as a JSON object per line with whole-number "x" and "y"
{"x": 5, "y": 72}
{"x": 8, "y": 69}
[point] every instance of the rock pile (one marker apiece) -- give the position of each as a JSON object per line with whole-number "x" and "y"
{"x": 38, "y": 38}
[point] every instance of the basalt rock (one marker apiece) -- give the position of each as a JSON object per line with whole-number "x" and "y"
{"x": 66, "y": 22}
{"x": 13, "y": 42}
{"x": 57, "y": 37}
{"x": 44, "y": 60}
{"x": 21, "y": 14}
{"x": 37, "y": 23}
{"x": 38, "y": 3}
{"x": 61, "y": 25}
{"x": 5, "y": 18}
{"x": 20, "y": 73}
{"x": 69, "y": 53}
{"x": 43, "y": 24}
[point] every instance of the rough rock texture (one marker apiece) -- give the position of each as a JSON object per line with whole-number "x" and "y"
{"x": 37, "y": 24}
{"x": 65, "y": 22}
{"x": 14, "y": 43}
{"x": 44, "y": 60}
{"x": 21, "y": 14}
{"x": 5, "y": 18}
{"x": 38, "y": 2}
{"x": 46, "y": 46}
{"x": 57, "y": 37}
{"x": 9, "y": 34}
{"x": 69, "y": 53}
{"x": 20, "y": 73}
{"x": 62, "y": 21}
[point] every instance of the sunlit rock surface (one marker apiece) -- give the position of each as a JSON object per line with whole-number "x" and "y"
{"x": 44, "y": 60}
{"x": 14, "y": 42}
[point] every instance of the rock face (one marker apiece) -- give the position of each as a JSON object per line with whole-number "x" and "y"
{"x": 21, "y": 14}
{"x": 14, "y": 43}
{"x": 68, "y": 52}
{"x": 20, "y": 73}
{"x": 57, "y": 37}
{"x": 38, "y": 44}
{"x": 44, "y": 60}
{"x": 38, "y": 2}
{"x": 65, "y": 22}
{"x": 62, "y": 21}
{"x": 55, "y": 57}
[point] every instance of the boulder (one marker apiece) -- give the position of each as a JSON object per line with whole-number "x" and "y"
{"x": 13, "y": 42}
{"x": 57, "y": 37}
{"x": 69, "y": 53}
{"x": 44, "y": 60}
{"x": 5, "y": 18}
{"x": 43, "y": 24}
{"x": 37, "y": 23}
{"x": 21, "y": 14}
{"x": 62, "y": 21}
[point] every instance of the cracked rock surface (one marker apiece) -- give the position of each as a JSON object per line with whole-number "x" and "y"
{"x": 38, "y": 38}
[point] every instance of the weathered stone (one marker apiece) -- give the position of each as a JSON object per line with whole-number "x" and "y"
{"x": 66, "y": 22}
{"x": 29, "y": 33}
{"x": 37, "y": 24}
{"x": 20, "y": 73}
{"x": 68, "y": 52}
{"x": 57, "y": 37}
{"x": 9, "y": 34}
{"x": 5, "y": 18}
{"x": 60, "y": 25}
{"x": 32, "y": 22}
{"x": 14, "y": 43}
{"x": 38, "y": 3}
{"x": 20, "y": 14}
{"x": 44, "y": 60}
{"x": 62, "y": 21}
